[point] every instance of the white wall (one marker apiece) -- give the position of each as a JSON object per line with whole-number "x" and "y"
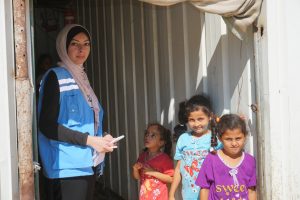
{"x": 278, "y": 65}
{"x": 8, "y": 142}
{"x": 230, "y": 73}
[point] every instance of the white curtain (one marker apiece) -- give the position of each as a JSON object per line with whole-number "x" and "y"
{"x": 238, "y": 14}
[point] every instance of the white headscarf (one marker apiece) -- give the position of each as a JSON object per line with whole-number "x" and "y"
{"x": 77, "y": 71}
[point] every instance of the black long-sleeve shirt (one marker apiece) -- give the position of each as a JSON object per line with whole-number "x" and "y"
{"x": 49, "y": 115}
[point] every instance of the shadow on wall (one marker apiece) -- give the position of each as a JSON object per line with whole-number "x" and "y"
{"x": 237, "y": 61}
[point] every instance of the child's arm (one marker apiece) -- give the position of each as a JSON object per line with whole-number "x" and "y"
{"x": 251, "y": 193}
{"x": 135, "y": 170}
{"x": 204, "y": 193}
{"x": 163, "y": 177}
{"x": 176, "y": 181}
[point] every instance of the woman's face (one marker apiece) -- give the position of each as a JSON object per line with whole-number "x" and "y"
{"x": 79, "y": 48}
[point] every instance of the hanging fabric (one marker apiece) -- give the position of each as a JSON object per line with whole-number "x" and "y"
{"x": 237, "y": 14}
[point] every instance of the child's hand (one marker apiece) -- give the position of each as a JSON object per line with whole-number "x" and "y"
{"x": 136, "y": 170}
{"x": 137, "y": 166}
{"x": 148, "y": 170}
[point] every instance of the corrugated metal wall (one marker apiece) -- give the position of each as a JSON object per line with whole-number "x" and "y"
{"x": 146, "y": 59}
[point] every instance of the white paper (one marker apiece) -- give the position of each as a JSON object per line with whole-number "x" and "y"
{"x": 98, "y": 158}
{"x": 117, "y": 139}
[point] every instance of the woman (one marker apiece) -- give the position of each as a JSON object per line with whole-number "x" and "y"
{"x": 70, "y": 121}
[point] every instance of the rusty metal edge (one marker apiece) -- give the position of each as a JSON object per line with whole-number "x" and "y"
{"x": 23, "y": 98}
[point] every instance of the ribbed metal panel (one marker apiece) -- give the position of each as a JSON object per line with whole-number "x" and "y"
{"x": 146, "y": 59}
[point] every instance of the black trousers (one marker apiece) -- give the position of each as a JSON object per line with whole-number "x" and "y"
{"x": 73, "y": 188}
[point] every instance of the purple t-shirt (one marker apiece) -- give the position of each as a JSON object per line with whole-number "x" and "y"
{"x": 221, "y": 180}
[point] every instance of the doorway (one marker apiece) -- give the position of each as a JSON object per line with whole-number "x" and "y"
{"x": 145, "y": 60}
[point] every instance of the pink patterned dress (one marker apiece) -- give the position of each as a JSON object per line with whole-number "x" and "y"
{"x": 151, "y": 187}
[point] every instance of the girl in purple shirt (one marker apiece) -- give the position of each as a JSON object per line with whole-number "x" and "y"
{"x": 229, "y": 174}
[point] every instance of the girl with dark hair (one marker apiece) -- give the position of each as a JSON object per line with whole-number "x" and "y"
{"x": 192, "y": 146}
{"x": 181, "y": 126}
{"x": 154, "y": 167}
{"x": 230, "y": 173}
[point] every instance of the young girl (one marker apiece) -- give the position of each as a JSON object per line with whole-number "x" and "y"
{"x": 192, "y": 146}
{"x": 230, "y": 173}
{"x": 154, "y": 167}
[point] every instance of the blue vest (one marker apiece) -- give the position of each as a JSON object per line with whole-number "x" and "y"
{"x": 62, "y": 159}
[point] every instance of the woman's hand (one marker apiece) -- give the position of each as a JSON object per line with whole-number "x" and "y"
{"x": 101, "y": 144}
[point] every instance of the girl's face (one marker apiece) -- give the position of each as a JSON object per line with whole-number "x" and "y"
{"x": 79, "y": 48}
{"x": 198, "y": 122}
{"x": 152, "y": 139}
{"x": 233, "y": 142}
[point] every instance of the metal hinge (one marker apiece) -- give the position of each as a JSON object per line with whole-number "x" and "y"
{"x": 36, "y": 166}
{"x": 254, "y": 108}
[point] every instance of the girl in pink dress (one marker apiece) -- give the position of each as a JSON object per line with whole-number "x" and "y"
{"x": 154, "y": 167}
